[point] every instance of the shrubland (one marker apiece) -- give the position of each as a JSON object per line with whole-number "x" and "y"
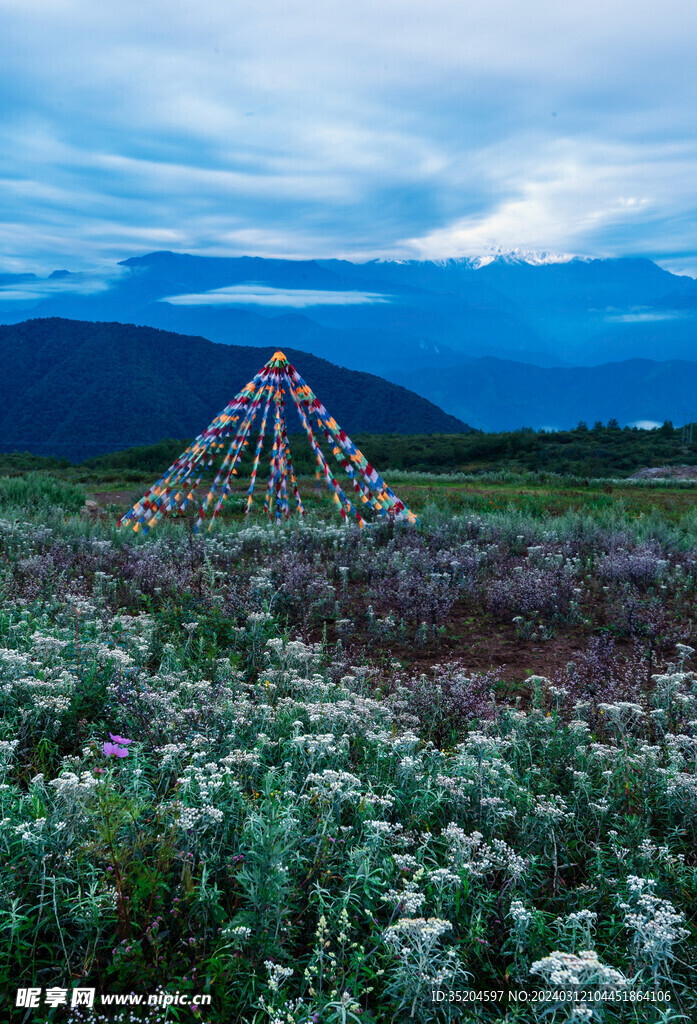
{"x": 261, "y": 762}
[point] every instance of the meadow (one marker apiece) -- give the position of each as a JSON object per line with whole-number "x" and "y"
{"x": 330, "y": 776}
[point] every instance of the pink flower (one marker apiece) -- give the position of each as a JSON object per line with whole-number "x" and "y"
{"x": 119, "y": 739}
{"x": 111, "y": 750}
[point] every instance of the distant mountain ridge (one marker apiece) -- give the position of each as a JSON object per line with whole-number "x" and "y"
{"x": 388, "y": 316}
{"x": 75, "y": 389}
{"x": 418, "y": 323}
{"x": 496, "y": 394}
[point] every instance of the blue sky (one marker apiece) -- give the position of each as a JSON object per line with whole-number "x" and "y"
{"x": 361, "y": 129}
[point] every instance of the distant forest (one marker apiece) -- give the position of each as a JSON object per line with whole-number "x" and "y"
{"x": 587, "y": 451}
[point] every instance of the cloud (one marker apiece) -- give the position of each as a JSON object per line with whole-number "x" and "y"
{"x": 645, "y": 316}
{"x": 573, "y": 196}
{"x": 35, "y": 289}
{"x": 263, "y": 295}
{"x": 358, "y": 130}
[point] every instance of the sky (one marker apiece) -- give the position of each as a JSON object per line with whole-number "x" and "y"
{"x": 319, "y": 128}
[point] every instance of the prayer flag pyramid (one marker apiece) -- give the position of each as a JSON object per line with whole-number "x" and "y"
{"x": 176, "y": 490}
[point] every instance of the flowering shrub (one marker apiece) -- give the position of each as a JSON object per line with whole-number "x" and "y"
{"x": 533, "y": 591}
{"x": 642, "y": 567}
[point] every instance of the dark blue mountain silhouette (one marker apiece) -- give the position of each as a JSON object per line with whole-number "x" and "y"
{"x": 75, "y": 388}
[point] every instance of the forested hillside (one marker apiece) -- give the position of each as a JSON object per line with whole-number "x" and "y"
{"x": 74, "y": 388}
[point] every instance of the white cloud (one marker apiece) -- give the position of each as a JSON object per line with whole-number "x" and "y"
{"x": 325, "y": 128}
{"x": 264, "y": 295}
{"x": 570, "y": 197}
{"x": 77, "y": 284}
{"x": 644, "y": 316}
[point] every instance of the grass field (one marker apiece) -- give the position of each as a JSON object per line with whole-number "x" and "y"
{"x": 325, "y": 775}
{"x": 536, "y": 497}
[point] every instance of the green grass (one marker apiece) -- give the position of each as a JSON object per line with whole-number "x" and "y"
{"x": 39, "y": 491}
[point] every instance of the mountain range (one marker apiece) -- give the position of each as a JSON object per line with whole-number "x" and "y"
{"x": 496, "y": 394}
{"x": 455, "y": 331}
{"x": 77, "y": 389}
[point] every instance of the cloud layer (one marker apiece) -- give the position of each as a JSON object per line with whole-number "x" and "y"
{"x": 323, "y": 128}
{"x": 264, "y": 295}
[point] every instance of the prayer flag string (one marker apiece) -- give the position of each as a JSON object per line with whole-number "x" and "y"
{"x": 176, "y": 488}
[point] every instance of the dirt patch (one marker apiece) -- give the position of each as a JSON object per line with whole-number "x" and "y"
{"x": 481, "y": 649}
{"x": 127, "y": 498}
{"x": 481, "y": 645}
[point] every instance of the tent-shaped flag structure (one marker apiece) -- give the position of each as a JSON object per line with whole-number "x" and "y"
{"x": 265, "y": 394}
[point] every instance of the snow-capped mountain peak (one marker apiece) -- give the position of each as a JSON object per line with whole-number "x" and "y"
{"x": 534, "y": 257}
